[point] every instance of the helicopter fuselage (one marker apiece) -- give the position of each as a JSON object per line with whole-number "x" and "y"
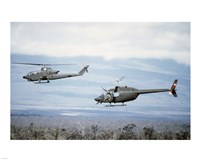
{"x": 47, "y": 73}
{"x": 118, "y": 94}
{"x": 121, "y": 94}
{"x": 43, "y": 74}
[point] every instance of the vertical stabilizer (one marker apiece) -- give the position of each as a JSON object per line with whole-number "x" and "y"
{"x": 85, "y": 68}
{"x": 173, "y": 88}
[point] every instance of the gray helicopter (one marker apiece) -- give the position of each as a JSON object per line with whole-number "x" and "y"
{"x": 47, "y": 73}
{"x": 121, "y": 94}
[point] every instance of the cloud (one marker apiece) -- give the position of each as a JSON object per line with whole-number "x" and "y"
{"x": 109, "y": 40}
{"x": 146, "y": 67}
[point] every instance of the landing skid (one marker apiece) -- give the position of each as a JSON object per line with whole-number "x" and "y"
{"x": 41, "y": 82}
{"x": 115, "y": 105}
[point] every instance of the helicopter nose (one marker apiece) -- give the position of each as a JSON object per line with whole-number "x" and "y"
{"x": 98, "y": 99}
{"x": 24, "y": 77}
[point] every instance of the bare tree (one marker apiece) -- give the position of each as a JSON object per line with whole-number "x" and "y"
{"x": 94, "y": 130}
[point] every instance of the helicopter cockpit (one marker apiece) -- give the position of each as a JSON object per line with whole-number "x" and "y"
{"x": 49, "y": 70}
{"x": 33, "y": 73}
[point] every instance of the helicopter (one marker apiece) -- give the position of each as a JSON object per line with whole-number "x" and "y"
{"x": 121, "y": 94}
{"x": 47, "y": 73}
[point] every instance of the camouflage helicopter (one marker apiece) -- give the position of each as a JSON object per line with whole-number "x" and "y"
{"x": 121, "y": 94}
{"x": 47, "y": 73}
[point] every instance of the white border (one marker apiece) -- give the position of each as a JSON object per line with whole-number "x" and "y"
{"x": 104, "y": 10}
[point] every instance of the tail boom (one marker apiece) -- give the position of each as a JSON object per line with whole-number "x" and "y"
{"x": 172, "y": 90}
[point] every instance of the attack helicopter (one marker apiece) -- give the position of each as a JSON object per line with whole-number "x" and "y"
{"x": 121, "y": 94}
{"x": 47, "y": 73}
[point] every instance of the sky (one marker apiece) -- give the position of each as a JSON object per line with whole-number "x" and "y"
{"x": 161, "y": 40}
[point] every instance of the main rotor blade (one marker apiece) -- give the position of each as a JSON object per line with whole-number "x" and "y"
{"x": 40, "y": 64}
{"x": 120, "y": 79}
{"x": 104, "y": 89}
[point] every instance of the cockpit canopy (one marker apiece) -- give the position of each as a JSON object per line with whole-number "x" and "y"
{"x": 33, "y": 73}
{"x": 46, "y": 68}
{"x": 49, "y": 70}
